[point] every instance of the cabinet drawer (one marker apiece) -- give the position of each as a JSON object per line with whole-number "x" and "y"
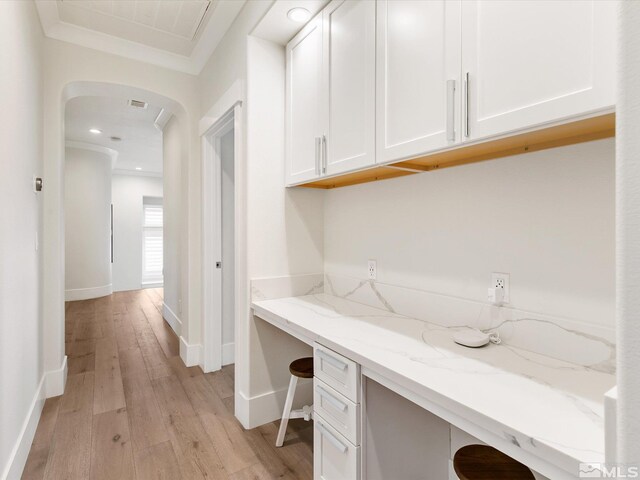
{"x": 334, "y": 457}
{"x": 340, "y": 412}
{"x": 338, "y": 372}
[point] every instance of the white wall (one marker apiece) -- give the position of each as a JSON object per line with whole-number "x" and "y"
{"x": 87, "y": 204}
{"x": 229, "y": 60}
{"x": 127, "y": 198}
{"x": 628, "y": 233}
{"x": 21, "y": 363}
{"x": 284, "y": 226}
{"x": 174, "y": 230}
{"x": 547, "y": 218}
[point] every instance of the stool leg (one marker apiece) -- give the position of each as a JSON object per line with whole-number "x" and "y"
{"x": 287, "y": 411}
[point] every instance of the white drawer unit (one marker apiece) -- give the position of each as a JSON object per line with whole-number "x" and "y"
{"x": 341, "y": 413}
{"x": 337, "y": 371}
{"x": 334, "y": 458}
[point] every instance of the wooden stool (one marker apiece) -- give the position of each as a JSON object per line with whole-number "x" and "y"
{"x": 300, "y": 368}
{"x": 482, "y": 462}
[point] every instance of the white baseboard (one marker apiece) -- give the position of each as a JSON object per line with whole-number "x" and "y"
{"x": 18, "y": 457}
{"x": 87, "y": 293}
{"x": 55, "y": 380}
{"x": 228, "y": 353}
{"x": 267, "y": 407}
{"x": 172, "y": 319}
{"x": 191, "y": 355}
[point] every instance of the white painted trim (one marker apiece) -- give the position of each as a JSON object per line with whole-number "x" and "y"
{"x": 20, "y": 451}
{"x": 94, "y": 148}
{"x": 172, "y": 319}
{"x": 228, "y": 353}
{"x": 191, "y": 355}
{"x": 162, "y": 119}
{"x": 610, "y": 425}
{"x": 267, "y": 407}
{"x": 74, "y": 294}
{"x": 136, "y": 173}
{"x": 228, "y": 100}
{"x": 211, "y": 241}
{"x": 55, "y": 380}
{"x": 221, "y": 19}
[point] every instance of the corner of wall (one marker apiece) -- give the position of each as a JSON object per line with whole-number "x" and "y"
{"x": 55, "y": 380}
{"x": 191, "y": 354}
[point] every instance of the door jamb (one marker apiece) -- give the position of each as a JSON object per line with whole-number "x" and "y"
{"x": 212, "y": 233}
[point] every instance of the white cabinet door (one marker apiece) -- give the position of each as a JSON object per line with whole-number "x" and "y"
{"x": 334, "y": 457}
{"x": 304, "y": 100}
{"x": 532, "y": 62}
{"x": 349, "y": 58}
{"x": 418, "y": 53}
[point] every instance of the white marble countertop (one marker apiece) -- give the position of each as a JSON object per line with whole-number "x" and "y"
{"x": 552, "y": 411}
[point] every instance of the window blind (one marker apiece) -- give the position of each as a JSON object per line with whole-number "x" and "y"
{"x": 152, "y": 244}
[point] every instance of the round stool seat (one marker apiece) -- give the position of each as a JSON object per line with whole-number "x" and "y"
{"x": 302, "y": 367}
{"x": 482, "y": 462}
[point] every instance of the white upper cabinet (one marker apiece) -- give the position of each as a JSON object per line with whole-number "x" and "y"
{"x": 349, "y": 59}
{"x": 418, "y": 77}
{"x": 532, "y": 62}
{"x": 377, "y": 82}
{"x": 304, "y": 103}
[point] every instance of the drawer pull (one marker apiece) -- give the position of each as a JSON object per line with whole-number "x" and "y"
{"x": 331, "y": 360}
{"x": 341, "y": 447}
{"x": 331, "y": 399}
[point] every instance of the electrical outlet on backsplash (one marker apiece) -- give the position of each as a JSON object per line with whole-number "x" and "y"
{"x": 565, "y": 339}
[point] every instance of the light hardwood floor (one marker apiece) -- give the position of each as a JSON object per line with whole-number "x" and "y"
{"x": 131, "y": 409}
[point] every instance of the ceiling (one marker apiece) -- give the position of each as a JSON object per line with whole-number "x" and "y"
{"x": 141, "y": 144}
{"x": 276, "y": 27}
{"x": 178, "y": 34}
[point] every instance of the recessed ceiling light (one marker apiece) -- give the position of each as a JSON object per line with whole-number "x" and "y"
{"x": 299, "y": 14}
{"x": 95, "y": 131}
{"x": 138, "y": 168}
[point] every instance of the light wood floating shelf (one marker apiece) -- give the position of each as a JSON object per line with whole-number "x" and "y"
{"x": 594, "y": 128}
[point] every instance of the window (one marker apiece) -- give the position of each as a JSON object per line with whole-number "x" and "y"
{"x": 152, "y": 241}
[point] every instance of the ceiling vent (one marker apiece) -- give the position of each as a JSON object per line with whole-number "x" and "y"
{"x": 115, "y": 139}
{"x": 138, "y": 103}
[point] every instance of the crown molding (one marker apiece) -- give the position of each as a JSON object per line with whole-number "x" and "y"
{"x": 221, "y": 19}
{"x": 136, "y": 173}
{"x": 162, "y": 119}
{"x": 113, "y": 154}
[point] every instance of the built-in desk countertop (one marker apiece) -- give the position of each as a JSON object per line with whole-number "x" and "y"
{"x": 547, "y": 413}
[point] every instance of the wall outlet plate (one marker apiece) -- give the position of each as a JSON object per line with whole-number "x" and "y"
{"x": 372, "y": 269}
{"x": 501, "y": 280}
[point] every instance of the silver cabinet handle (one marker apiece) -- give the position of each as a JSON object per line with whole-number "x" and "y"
{"x": 341, "y": 406}
{"x": 451, "y": 129}
{"x": 324, "y": 154}
{"x": 318, "y": 147}
{"x": 339, "y": 364}
{"x": 465, "y": 98}
{"x": 341, "y": 447}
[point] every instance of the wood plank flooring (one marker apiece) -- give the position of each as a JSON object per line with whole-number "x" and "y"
{"x": 133, "y": 410}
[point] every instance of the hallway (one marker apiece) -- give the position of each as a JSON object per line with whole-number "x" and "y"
{"x": 131, "y": 409}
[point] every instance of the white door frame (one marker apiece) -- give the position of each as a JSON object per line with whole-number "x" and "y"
{"x": 212, "y": 232}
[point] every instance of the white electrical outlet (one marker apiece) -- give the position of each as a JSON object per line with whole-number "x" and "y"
{"x": 372, "y": 269}
{"x": 501, "y": 280}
